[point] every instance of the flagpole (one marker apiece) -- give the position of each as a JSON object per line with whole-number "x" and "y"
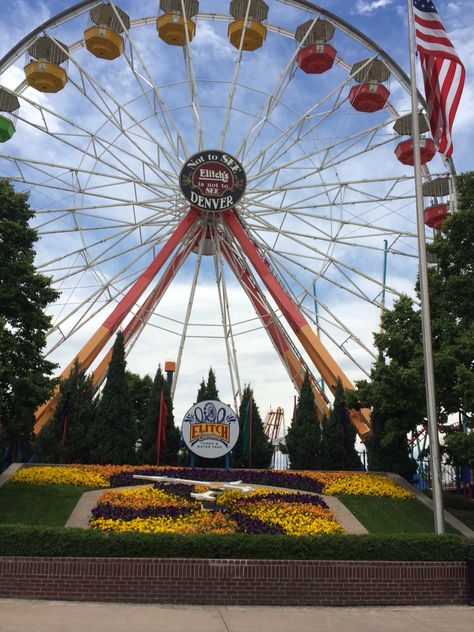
{"x": 424, "y": 295}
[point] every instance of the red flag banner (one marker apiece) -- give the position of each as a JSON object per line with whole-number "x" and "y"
{"x": 443, "y": 73}
{"x": 160, "y": 441}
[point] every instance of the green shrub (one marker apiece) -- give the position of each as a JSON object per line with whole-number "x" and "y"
{"x": 48, "y": 541}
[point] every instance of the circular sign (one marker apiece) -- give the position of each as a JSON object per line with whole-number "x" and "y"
{"x": 212, "y": 180}
{"x": 210, "y": 429}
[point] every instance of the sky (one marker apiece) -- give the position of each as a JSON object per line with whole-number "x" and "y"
{"x": 338, "y": 245}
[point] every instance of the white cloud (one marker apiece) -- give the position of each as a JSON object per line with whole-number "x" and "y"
{"x": 362, "y": 7}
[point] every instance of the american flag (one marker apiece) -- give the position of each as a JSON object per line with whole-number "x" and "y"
{"x": 443, "y": 73}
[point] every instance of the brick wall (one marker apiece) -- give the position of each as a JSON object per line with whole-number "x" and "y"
{"x": 234, "y": 581}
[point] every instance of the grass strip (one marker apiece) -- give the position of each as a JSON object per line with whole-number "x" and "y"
{"x": 42, "y": 505}
{"x": 391, "y": 515}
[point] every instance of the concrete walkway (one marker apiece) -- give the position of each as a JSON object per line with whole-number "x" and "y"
{"x": 58, "y": 616}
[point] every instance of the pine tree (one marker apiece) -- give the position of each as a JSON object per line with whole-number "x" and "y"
{"x": 65, "y": 438}
{"x": 262, "y": 449}
{"x": 201, "y": 394}
{"x": 211, "y": 387}
{"x": 303, "y": 441}
{"x": 338, "y": 437}
{"x": 24, "y": 295}
{"x": 113, "y": 434}
{"x": 147, "y": 450}
{"x": 140, "y": 389}
{"x": 208, "y": 390}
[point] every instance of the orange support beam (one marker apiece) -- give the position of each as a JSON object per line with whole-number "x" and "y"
{"x": 326, "y": 365}
{"x": 97, "y": 342}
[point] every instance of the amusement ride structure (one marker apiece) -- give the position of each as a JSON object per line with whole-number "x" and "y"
{"x": 263, "y": 144}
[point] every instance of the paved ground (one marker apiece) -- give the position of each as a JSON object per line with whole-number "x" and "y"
{"x": 59, "y": 616}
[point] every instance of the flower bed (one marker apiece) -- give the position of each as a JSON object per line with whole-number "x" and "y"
{"x": 151, "y": 510}
{"x": 329, "y": 483}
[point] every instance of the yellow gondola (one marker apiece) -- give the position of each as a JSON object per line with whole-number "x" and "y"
{"x": 43, "y": 71}
{"x": 251, "y": 32}
{"x": 103, "y": 39}
{"x": 175, "y": 27}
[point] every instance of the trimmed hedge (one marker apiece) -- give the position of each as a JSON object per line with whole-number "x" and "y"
{"x": 21, "y": 540}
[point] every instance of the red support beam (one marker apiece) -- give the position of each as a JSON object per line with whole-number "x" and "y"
{"x": 323, "y": 361}
{"x": 94, "y": 346}
{"x": 148, "y": 306}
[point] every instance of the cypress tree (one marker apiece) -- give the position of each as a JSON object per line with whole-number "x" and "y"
{"x": 262, "y": 449}
{"x": 338, "y": 437}
{"x": 201, "y": 394}
{"x": 303, "y": 441}
{"x": 65, "y": 438}
{"x": 211, "y": 387}
{"x": 140, "y": 389}
{"x": 147, "y": 450}
{"x": 113, "y": 434}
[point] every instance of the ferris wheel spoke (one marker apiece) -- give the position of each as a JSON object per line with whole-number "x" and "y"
{"x": 281, "y": 267}
{"x": 193, "y": 86}
{"x": 189, "y": 309}
{"x": 343, "y": 144}
{"x": 148, "y": 246}
{"x": 285, "y": 138}
{"x": 301, "y": 243}
{"x": 270, "y": 102}
{"x": 227, "y": 323}
{"x": 93, "y": 141}
{"x": 158, "y": 105}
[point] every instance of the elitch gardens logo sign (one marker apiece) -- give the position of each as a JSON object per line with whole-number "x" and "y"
{"x": 212, "y": 180}
{"x": 210, "y": 429}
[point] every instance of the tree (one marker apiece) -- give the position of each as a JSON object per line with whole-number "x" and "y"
{"x": 261, "y": 450}
{"x": 396, "y": 391}
{"x": 140, "y": 389}
{"x": 338, "y": 436}
{"x": 303, "y": 441}
{"x": 452, "y": 300}
{"x": 113, "y": 433}
{"x": 170, "y": 447}
{"x": 201, "y": 394}
{"x": 65, "y": 438}
{"x": 25, "y": 380}
{"x": 208, "y": 390}
{"x": 397, "y": 387}
{"x": 460, "y": 448}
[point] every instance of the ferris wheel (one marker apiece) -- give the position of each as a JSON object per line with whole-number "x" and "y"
{"x": 255, "y": 148}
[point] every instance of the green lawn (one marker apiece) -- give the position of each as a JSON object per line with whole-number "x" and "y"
{"x": 51, "y": 505}
{"x": 42, "y": 505}
{"x": 391, "y": 515}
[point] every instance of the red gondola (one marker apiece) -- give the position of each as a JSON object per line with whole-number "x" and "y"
{"x": 404, "y": 151}
{"x": 368, "y": 97}
{"x": 316, "y": 58}
{"x": 435, "y": 215}
{"x": 316, "y": 55}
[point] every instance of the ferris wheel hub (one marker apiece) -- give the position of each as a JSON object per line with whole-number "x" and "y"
{"x": 212, "y": 180}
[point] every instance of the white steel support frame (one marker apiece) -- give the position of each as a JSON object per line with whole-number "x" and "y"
{"x": 115, "y": 206}
{"x": 226, "y": 321}
{"x": 192, "y": 293}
